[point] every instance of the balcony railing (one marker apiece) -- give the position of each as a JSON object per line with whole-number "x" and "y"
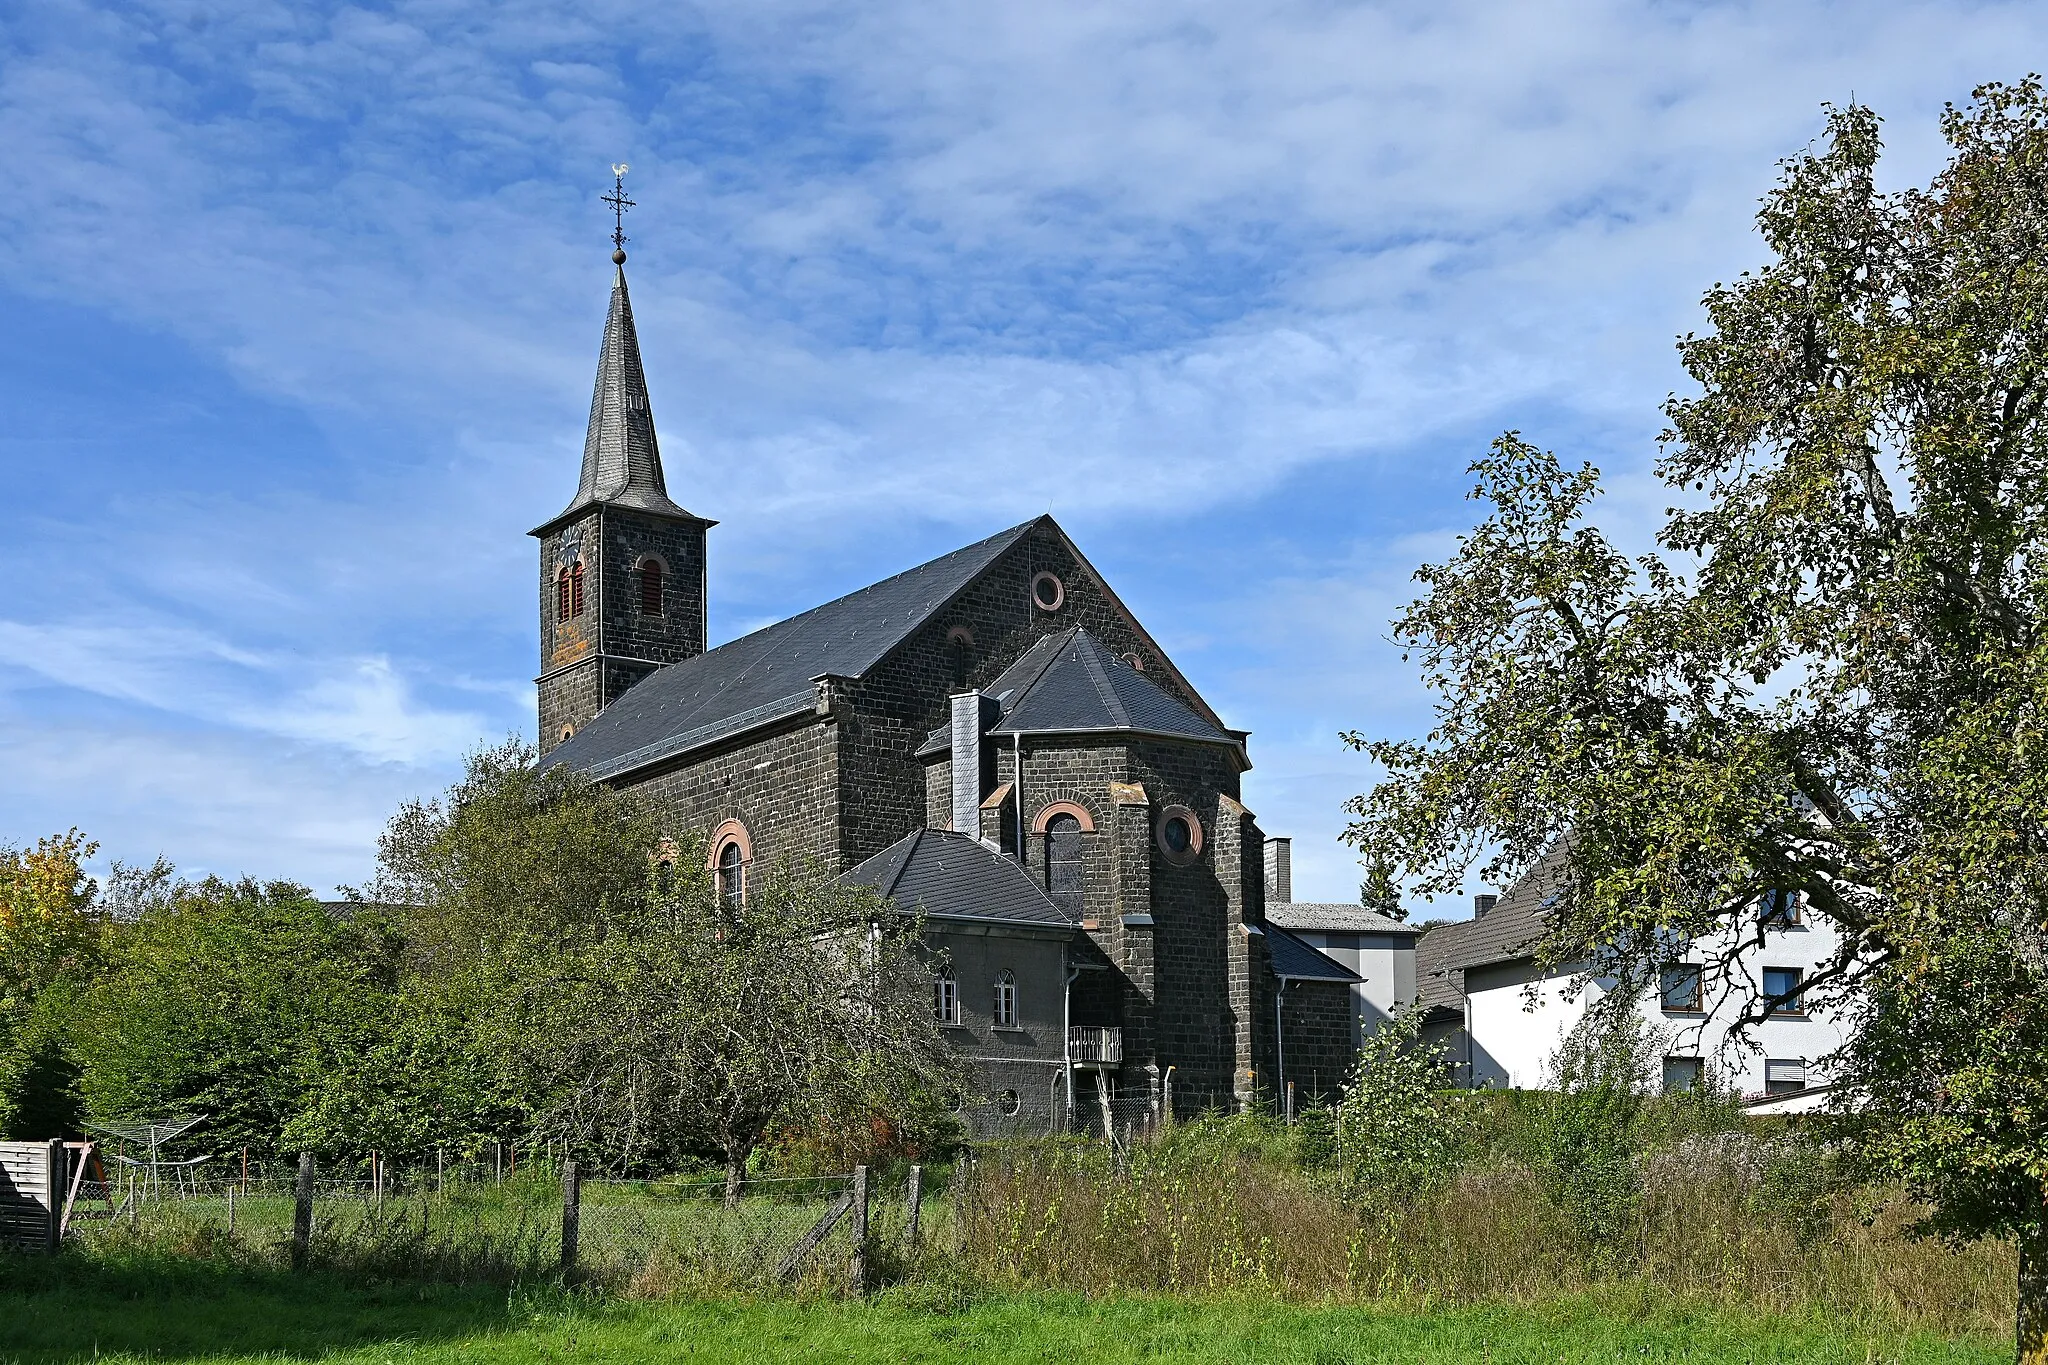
{"x": 1103, "y": 1046}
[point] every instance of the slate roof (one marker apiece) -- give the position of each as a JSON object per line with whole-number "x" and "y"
{"x": 1293, "y": 958}
{"x": 1507, "y": 933}
{"x": 621, "y": 458}
{"x": 767, "y": 675}
{"x": 1327, "y": 918}
{"x": 1071, "y": 683}
{"x": 953, "y": 876}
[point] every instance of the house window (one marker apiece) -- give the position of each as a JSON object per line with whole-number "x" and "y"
{"x": 1683, "y": 1073}
{"x": 1008, "y": 1099}
{"x": 1063, "y": 863}
{"x": 1784, "y": 1077}
{"x": 1781, "y": 985}
{"x": 1006, "y": 1000}
{"x": 1680, "y": 985}
{"x": 732, "y": 875}
{"x": 945, "y": 998}
{"x": 562, "y": 594}
{"x": 650, "y": 587}
{"x": 576, "y": 588}
{"x": 1780, "y": 910}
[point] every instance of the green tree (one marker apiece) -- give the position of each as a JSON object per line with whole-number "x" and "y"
{"x": 690, "y": 1023}
{"x": 1832, "y": 679}
{"x": 234, "y": 1000}
{"x": 52, "y": 940}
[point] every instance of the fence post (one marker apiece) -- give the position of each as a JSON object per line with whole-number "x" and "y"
{"x": 916, "y": 1199}
{"x": 134, "y": 1213}
{"x": 302, "y": 1213}
{"x": 1290, "y": 1101}
{"x": 860, "y": 1229}
{"x": 57, "y": 1180}
{"x": 572, "y": 1213}
{"x": 231, "y": 1210}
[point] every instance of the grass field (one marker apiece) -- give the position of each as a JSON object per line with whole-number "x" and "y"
{"x": 75, "y": 1309}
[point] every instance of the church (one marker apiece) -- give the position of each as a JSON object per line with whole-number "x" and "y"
{"x": 991, "y": 740}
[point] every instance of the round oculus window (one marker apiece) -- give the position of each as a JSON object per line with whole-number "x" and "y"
{"x": 1178, "y": 833}
{"x": 1048, "y": 593}
{"x": 1009, "y": 1101}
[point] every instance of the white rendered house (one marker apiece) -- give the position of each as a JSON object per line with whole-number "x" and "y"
{"x": 1502, "y": 1016}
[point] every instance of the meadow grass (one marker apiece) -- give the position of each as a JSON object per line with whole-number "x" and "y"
{"x": 165, "y": 1311}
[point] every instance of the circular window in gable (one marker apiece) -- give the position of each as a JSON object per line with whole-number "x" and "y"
{"x": 1178, "y": 833}
{"x": 1048, "y": 593}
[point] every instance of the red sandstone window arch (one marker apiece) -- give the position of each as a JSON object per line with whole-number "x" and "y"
{"x": 732, "y": 854}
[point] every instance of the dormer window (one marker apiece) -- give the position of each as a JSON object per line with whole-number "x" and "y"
{"x": 650, "y": 586}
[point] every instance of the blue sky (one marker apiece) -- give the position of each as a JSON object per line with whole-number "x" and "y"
{"x": 303, "y": 301}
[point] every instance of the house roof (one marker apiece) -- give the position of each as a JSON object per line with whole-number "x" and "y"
{"x": 953, "y": 876}
{"x": 1327, "y": 918}
{"x": 621, "y": 458}
{"x": 1295, "y": 959}
{"x": 1070, "y": 683}
{"x": 768, "y": 675}
{"x": 1507, "y": 933}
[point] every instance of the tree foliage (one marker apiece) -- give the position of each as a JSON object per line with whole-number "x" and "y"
{"x": 1832, "y": 676}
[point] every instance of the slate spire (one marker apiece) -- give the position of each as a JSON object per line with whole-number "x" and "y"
{"x": 621, "y": 459}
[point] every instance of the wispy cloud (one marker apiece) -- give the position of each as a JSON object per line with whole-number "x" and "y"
{"x": 904, "y": 273}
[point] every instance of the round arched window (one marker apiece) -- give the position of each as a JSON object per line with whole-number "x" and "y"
{"x": 1048, "y": 593}
{"x": 1178, "y": 834}
{"x": 732, "y": 875}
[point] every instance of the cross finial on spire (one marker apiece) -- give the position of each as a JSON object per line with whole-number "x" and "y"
{"x": 620, "y": 203}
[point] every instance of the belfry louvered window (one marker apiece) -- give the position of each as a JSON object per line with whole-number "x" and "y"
{"x": 562, "y": 594}
{"x": 576, "y": 589}
{"x": 1063, "y": 862}
{"x": 650, "y": 587}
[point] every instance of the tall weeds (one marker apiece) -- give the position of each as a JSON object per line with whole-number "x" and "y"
{"x": 1717, "y": 1223}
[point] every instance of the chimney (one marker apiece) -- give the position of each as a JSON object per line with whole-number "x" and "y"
{"x": 1483, "y": 903}
{"x": 966, "y": 723}
{"x": 1279, "y": 869}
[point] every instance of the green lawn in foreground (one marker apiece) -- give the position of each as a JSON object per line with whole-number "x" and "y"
{"x": 74, "y": 1310}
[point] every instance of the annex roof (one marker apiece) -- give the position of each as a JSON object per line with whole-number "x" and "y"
{"x": 1297, "y": 961}
{"x": 953, "y": 876}
{"x": 1507, "y": 933}
{"x": 1331, "y": 918}
{"x": 768, "y": 675}
{"x": 1070, "y": 683}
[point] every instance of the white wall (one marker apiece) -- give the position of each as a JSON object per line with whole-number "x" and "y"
{"x": 1511, "y": 1040}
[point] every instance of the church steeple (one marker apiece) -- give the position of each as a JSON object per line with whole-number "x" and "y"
{"x": 622, "y": 582}
{"x": 621, "y": 457}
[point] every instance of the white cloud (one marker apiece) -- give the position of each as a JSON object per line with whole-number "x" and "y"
{"x": 932, "y": 263}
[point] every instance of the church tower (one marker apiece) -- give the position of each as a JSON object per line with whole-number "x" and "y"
{"x": 622, "y": 566}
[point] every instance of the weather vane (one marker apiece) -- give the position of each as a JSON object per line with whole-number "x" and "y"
{"x": 620, "y": 203}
